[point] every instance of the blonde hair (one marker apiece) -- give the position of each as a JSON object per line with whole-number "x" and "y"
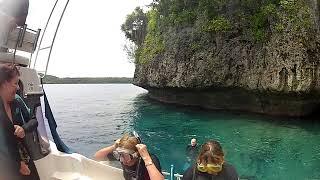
{"x": 128, "y": 142}
{"x": 211, "y": 151}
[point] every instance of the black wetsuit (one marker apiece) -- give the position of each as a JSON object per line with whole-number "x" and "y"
{"x": 192, "y": 152}
{"x": 129, "y": 172}
{"x": 228, "y": 173}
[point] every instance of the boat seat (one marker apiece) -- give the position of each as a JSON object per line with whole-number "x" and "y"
{"x": 23, "y": 38}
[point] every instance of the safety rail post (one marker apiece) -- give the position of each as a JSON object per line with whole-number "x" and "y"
{"x": 172, "y": 172}
{"x": 44, "y": 32}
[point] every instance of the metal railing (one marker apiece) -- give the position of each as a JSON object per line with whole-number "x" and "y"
{"x": 54, "y": 36}
{"x": 172, "y": 175}
{"x": 176, "y": 176}
{"x": 21, "y": 38}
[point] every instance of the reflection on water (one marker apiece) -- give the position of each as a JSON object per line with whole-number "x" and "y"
{"x": 93, "y": 116}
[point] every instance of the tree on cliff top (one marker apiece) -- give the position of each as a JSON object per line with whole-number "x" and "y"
{"x": 135, "y": 26}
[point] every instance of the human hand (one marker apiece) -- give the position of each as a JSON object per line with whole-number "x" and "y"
{"x": 19, "y": 131}
{"x": 24, "y": 169}
{"x": 142, "y": 149}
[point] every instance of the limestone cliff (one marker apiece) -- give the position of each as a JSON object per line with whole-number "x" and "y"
{"x": 271, "y": 68}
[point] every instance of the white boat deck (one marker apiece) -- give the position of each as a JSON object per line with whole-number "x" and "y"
{"x": 61, "y": 166}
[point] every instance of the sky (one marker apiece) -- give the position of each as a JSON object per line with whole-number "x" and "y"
{"x": 89, "y": 42}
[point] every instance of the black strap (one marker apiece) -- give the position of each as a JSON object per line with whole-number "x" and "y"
{"x": 138, "y": 171}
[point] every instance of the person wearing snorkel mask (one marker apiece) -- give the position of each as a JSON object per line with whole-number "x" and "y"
{"x": 136, "y": 162}
{"x": 192, "y": 150}
{"x": 210, "y": 165}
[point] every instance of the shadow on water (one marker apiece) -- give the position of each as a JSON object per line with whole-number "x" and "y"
{"x": 261, "y": 147}
{"x": 309, "y": 123}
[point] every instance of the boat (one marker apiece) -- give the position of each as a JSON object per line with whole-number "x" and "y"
{"x": 53, "y": 159}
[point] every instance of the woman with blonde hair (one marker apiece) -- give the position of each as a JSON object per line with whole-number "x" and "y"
{"x": 211, "y": 165}
{"x": 134, "y": 157}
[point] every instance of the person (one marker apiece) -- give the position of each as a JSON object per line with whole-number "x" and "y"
{"x": 192, "y": 150}
{"x": 16, "y": 9}
{"x": 8, "y": 165}
{"x": 211, "y": 165}
{"x": 134, "y": 157}
{"x": 13, "y": 13}
{"x": 22, "y": 117}
{"x": 16, "y": 127}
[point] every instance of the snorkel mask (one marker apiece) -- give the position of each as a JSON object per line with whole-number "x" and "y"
{"x": 210, "y": 168}
{"x": 127, "y": 155}
{"x": 122, "y": 154}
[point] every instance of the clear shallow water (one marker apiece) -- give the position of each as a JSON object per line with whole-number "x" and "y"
{"x": 90, "y": 117}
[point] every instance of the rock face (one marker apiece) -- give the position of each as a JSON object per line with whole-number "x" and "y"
{"x": 279, "y": 77}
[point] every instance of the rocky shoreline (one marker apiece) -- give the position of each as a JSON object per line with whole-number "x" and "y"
{"x": 240, "y": 100}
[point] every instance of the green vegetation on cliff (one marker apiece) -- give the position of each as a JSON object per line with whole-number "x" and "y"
{"x": 252, "y": 20}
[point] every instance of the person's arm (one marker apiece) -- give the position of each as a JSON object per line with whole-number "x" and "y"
{"x": 103, "y": 153}
{"x": 30, "y": 126}
{"x": 153, "y": 171}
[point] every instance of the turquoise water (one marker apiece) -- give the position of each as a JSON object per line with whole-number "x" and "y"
{"x": 93, "y": 116}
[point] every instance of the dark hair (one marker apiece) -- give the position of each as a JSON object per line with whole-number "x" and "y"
{"x": 8, "y": 72}
{"x": 211, "y": 151}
